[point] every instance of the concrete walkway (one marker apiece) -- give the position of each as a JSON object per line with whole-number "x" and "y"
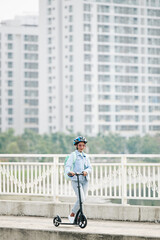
{"x": 36, "y": 228}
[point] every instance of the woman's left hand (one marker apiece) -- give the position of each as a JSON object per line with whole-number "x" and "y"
{"x": 85, "y": 173}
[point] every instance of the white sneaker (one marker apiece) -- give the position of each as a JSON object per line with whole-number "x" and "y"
{"x": 71, "y": 219}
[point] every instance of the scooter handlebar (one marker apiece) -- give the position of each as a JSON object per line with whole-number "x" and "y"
{"x": 77, "y": 174}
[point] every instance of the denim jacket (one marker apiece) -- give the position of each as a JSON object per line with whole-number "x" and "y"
{"x": 82, "y": 163}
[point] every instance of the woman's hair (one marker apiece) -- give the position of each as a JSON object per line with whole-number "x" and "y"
{"x": 76, "y": 145}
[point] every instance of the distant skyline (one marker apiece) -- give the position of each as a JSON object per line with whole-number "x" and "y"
{"x": 11, "y": 8}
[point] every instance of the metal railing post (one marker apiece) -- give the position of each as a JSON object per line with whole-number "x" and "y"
{"x": 55, "y": 183}
{"x": 0, "y": 178}
{"x": 124, "y": 180}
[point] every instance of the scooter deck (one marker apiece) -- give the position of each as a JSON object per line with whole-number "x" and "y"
{"x": 63, "y": 223}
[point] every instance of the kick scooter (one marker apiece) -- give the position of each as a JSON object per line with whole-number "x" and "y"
{"x": 80, "y": 218}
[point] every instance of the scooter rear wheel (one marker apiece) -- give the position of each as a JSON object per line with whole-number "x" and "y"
{"x": 56, "y": 221}
{"x": 82, "y": 221}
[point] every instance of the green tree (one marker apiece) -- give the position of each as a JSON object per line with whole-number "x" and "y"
{"x": 5, "y": 139}
{"x": 114, "y": 143}
{"x": 149, "y": 145}
{"x": 31, "y": 142}
{"x": 12, "y": 148}
{"x": 133, "y": 144}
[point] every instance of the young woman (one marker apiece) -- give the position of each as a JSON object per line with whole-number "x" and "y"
{"x": 80, "y": 164}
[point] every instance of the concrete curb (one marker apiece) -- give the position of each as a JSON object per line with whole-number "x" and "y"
{"x": 92, "y": 211}
{"x": 38, "y": 228}
{"x": 25, "y": 234}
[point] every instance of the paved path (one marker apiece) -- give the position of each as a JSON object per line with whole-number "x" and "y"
{"x": 114, "y": 228}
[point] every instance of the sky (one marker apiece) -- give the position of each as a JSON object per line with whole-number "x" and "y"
{"x": 10, "y": 8}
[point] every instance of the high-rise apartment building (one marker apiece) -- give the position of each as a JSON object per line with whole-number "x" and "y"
{"x": 100, "y": 66}
{"x": 19, "y": 66}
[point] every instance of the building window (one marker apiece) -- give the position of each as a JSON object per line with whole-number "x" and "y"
{"x": 88, "y": 67}
{"x": 10, "y": 64}
{"x": 31, "y": 56}
{"x": 104, "y": 128}
{"x": 103, "y": 38}
{"x": 10, "y": 111}
{"x": 153, "y": 12}
{"x": 49, "y": 2}
{"x": 103, "y": 78}
{"x": 32, "y": 65}
{"x": 104, "y": 97}
{"x": 88, "y": 97}
{"x": 30, "y": 38}
{"x": 127, "y": 40}
{"x": 88, "y": 108}
{"x": 87, "y": 27}
{"x": 88, "y": 118}
{"x": 10, "y": 37}
{"x": 10, "y": 74}
{"x": 154, "y": 22}
{"x": 87, "y": 47}
{"x": 87, "y": 17}
{"x": 103, "y": 58}
{"x": 10, "y": 83}
{"x": 10, "y": 121}
{"x": 70, "y": 48}
{"x": 87, "y": 7}
{"x": 71, "y": 78}
{"x": 49, "y": 40}
{"x": 10, "y": 102}
{"x": 154, "y": 99}
{"x": 103, "y": 108}
{"x": 122, "y": 49}
{"x": 154, "y": 128}
{"x": 10, "y": 93}
{"x": 88, "y": 77}
{"x": 103, "y": 48}
{"x": 10, "y": 55}
{"x": 102, "y": 29}
{"x": 126, "y": 20}
{"x": 70, "y": 38}
{"x": 127, "y": 128}
{"x": 132, "y": 2}
{"x": 88, "y": 129}
{"x": 49, "y": 11}
{"x": 70, "y": 19}
{"x": 87, "y": 87}
{"x": 102, "y": 9}
{"x": 103, "y": 88}
{"x": 126, "y": 30}
{"x": 88, "y": 57}
{"x": 31, "y": 74}
{"x": 103, "y": 68}
{"x": 126, "y": 10}
{"x": 70, "y": 28}
{"x": 87, "y": 37}
{"x": 70, "y": 9}
{"x": 10, "y": 46}
{"x": 31, "y": 47}
{"x": 104, "y": 118}
{"x": 103, "y": 18}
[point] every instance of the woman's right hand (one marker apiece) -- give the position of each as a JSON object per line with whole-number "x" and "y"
{"x": 71, "y": 174}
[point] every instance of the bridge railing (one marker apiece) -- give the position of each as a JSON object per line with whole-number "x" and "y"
{"x": 114, "y": 176}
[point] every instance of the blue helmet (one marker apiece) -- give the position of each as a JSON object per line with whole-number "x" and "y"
{"x": 79, "y": 139}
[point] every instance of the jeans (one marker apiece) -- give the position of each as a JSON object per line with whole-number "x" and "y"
{"x": 83, "y": 191}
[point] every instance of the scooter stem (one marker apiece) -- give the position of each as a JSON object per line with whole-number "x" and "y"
{"x": 79, "y": 192}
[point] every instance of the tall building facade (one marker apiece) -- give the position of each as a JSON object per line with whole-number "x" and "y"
{"x": 100, "y": 66}
{"x": 19, "y": 66}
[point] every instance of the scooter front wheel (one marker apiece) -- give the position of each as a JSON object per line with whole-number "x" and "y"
{"x": 82, "y": 221}
{"x": 56, "y": 221}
